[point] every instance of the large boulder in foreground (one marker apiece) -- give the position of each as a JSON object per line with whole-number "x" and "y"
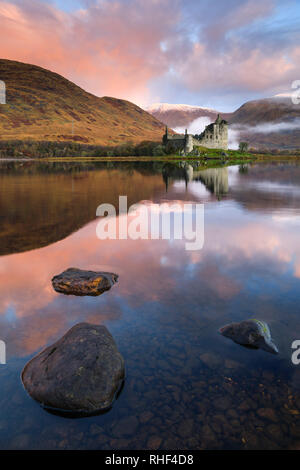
{"x": 252, "y": 333}
{"x": 80, "y": 373}
{"x": 75, "y": 281}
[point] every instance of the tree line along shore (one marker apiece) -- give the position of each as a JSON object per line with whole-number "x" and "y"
{"x": 50, "y": 149}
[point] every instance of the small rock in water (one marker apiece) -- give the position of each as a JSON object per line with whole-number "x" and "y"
{"x": 75, "y": 281}
{"x": 80, "y": 373}
{"x": 253, "y": 333}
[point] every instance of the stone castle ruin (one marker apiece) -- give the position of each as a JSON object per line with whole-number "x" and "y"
{"x": 214, "y": 136}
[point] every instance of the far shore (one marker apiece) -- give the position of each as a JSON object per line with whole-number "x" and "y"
{"x": 204, "y": 162}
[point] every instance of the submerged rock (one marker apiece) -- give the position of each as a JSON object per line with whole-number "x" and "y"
{"x": 252, "y": 333}
{"x": 80, "y": 373}
{"x": 211, "y": 360}
{"x": 75, "y": 281}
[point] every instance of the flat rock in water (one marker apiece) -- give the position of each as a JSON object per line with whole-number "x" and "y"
{"x": 252, "y": 333}
{"x": 80, "y": 373}
{"x": 75, "y": 281}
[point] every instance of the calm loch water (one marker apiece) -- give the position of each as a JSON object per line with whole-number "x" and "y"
{"x": 187, "y": 387}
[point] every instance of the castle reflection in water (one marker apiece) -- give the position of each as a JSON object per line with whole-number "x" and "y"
{"x": 214, "y": 179}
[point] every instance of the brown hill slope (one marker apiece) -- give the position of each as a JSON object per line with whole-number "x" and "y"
{"x": 261, "y": 111}
{"x": 42, "y": 105}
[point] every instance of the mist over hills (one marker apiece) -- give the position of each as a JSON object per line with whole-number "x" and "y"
{"x": 268, "y": 123}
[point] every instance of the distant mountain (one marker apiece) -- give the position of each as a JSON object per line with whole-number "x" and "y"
{"x": 267, "y": 123}
{"x": 42, "y": 105}
{"x": 180, "y": 115}
{"x": 272, "y": 123}
{"x": 275, "y": 109}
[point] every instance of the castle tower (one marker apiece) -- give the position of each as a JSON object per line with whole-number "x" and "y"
{"x": 189, "y": 145}
{"x": 166, "y": 136}
{"x": 218, "y": 120}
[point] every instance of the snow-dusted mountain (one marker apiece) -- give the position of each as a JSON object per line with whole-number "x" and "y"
{"x": 165, "y": 107}
{"x": 180, "y": 115}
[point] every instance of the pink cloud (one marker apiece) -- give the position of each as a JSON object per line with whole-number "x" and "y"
{"x": 244, "y": 69}
{"x": 241, "y": 15}
{"x": 135, "y": 48}
{"x": 110, "y": 48}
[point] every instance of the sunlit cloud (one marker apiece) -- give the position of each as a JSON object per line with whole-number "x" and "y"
{"x": 158, "y": 50}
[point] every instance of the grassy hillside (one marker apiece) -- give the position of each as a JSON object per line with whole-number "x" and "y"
{"x": 42, "y": 105}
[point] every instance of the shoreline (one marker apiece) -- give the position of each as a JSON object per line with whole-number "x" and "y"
{"x": 240, "y": 159}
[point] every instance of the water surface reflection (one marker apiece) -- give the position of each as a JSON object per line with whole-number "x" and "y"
{"x": 187, "y": 387}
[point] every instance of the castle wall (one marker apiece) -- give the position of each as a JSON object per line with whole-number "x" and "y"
{"x": 215, "y": 136}
{"x": 178, "y": 143}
